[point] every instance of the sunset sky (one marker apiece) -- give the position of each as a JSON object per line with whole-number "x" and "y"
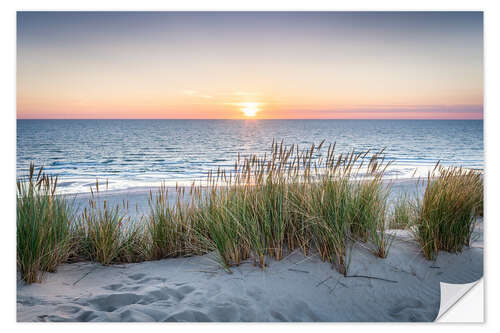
{"x": 244, "y": 65}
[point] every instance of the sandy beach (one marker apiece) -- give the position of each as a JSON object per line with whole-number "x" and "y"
{"x": 402, "y": 287}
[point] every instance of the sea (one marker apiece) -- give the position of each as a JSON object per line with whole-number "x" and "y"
{"x": 146, "y": 153}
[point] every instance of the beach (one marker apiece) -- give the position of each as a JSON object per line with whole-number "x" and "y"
{"x": 402, "y": 287}
{"x": 247, "y": 166}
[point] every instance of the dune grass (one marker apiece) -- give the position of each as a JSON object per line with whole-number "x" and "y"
{"x": 169, "y": 228}
{"x": 309, "y": 199}
{"x": 44, "y": 233}
{"x": 294, "y": 198}
{"x": 446, "y": 214}
{"x": 369, "y": 222}
{"x": 404, "y": 213}
{"x": 327, "y": 210}
{"x": 106, "y": 235}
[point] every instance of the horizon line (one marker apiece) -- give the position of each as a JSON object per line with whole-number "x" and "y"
{"x": 482, "y": 118}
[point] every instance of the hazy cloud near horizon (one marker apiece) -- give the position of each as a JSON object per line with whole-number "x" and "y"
{"x": 293, "y": 64}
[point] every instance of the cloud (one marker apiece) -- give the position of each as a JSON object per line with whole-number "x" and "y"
{"x": 196, "y": 93}
{"x": 401, "y": 109}
{"x": 246, "y": 93}
{"x": 190, "y": 92}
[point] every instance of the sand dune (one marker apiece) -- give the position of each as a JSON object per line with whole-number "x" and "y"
{"x": 403, "y": 287}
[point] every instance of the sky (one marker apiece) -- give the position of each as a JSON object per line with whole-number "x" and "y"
{"x": 250, "y": 65}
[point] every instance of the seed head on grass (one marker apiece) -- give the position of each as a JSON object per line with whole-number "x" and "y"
{"x": 369, "y": 219}
{"x": 447, "y": 212}
{"x": 105, "y": 233}
{"x": 44, "y": 231}
{"x": 266, "y": 205}
{"x": 169, "y": 225}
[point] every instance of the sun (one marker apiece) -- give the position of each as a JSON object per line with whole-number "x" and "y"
{"x": 249, "y": 109}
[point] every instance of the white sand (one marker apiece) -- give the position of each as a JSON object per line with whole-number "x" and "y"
{"x": 294, "y": 289}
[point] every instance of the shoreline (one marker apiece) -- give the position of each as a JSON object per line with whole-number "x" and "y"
{"x": 422, "y": 174}
{"x": 137, "y": 197}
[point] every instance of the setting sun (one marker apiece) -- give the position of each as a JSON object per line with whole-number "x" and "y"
{"x": 249, "y": 109}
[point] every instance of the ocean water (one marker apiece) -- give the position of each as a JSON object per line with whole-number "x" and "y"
{"x": 131, "y": 153}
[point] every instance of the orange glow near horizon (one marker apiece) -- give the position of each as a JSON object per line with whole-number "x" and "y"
{"x": 133, "y": 102}
{"x": 212, "y": 65}
{"x": 217, "y": 107}
{"x": 250, "y": 109}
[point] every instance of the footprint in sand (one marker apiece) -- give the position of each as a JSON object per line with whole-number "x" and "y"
{"x": 409, "y": 309}
{"x": 137, "y": 276}
{"x": 154, "y": 278}
{"x": 256, "y": 294}
{"x": 87, "y": 316}
{"x": 109, "y": 303}
{"x": 189, "y": 316}
{"x": 68, "y": 309}
{"x": 114, "y": 287}
{"x": 275, "y": 315}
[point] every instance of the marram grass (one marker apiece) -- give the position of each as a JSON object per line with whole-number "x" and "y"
{"x": 403, "y": 214}
{"x": 105, "y": 234}
{"x": 313, "y": 200}
{"x": 446, "y": 214}
{"x": 44, "y": 233}
{"x": 168, "y": 228}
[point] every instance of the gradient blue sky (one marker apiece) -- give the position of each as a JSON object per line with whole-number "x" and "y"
{"x": 279, "y": 64}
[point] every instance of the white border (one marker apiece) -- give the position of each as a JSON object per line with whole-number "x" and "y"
{"x": 8, "y": 135}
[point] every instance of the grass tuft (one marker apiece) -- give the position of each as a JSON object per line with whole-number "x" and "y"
{"x": 44, "y": 234}
{"x": 404, "y": 213}
{"x": 168, "y": 228}
{"x": 105, "y": 234}
{"x": 446, "y": 214}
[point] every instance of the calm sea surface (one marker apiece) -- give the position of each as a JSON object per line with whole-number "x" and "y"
{"x": 131, "y": 153}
